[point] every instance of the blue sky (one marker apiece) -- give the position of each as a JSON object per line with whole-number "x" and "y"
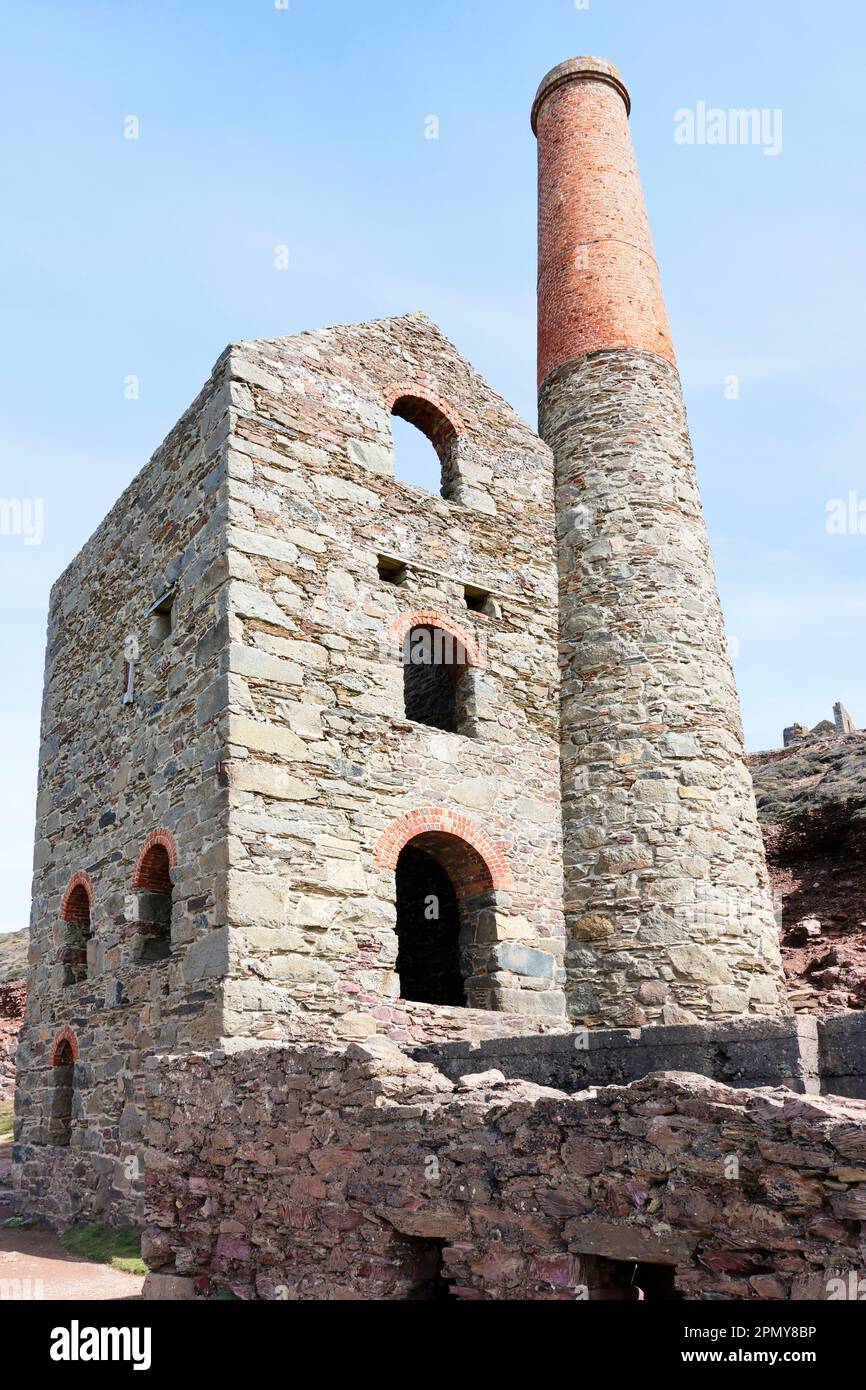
{"x": 305, "y": 127}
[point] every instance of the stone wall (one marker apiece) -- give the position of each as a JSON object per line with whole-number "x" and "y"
{"x": 309, "y": 1173}
{"x": 808, "y": 1055}
{"x": 265, "y": 748}
{"x": 112, "y": 776}
{"x": 327, "y": 777}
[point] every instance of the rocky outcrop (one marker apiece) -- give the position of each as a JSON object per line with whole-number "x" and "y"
{"x": 827, "y": 772}
{"x": 812, "y": 805}
{"x": 11, "y": 1013}
{"x": 13, "y": 955}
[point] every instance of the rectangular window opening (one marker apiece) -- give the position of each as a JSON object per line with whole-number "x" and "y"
{"x": 391, "y": 570}
{"x": 161, "y": 616}
{"x": 477, "y": 600}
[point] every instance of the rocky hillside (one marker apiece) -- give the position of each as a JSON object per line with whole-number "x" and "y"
{"x": 812, "y": 804}
{"x": 13, "y": 968}
{"x": 11, "y": 1014}
{"x": 13, "y": 956}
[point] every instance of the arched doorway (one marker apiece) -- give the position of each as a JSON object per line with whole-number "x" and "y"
{"x": 445, "y": 898}
{"x": 428, "y": 931}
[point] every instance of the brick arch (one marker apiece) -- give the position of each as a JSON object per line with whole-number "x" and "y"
{"x": 63, "y": 1035}
{"x": 427, "y": 411}
{"x": 473, "y": 859}
{"x": 156, "y": 837}
{"x": 79, "y": 880}
{"x": 431, "y": 617}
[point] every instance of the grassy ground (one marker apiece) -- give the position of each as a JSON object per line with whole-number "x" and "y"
{"x": 117, "y": 1246}
{"x": 6, "y": 1121}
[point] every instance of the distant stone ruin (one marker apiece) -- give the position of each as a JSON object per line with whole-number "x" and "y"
{"x": 841, "y": 725}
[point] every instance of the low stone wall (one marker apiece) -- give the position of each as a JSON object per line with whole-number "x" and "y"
{"x": 311, "y": 1173}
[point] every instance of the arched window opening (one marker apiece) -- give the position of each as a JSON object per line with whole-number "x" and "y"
{"x": 76, "y": 914}
{"x": 425, "y": 445}
{"x": 445, "y": 921}
{"x": 436, "y": 679}
{"x": 153, "y": 881}
{"x": 62, "y": 1095}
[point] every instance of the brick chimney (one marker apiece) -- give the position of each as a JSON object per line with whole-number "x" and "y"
{"x": 667, "y": 897}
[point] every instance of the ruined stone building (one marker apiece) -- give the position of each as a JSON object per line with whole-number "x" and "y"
{"x": 842, "y": 725}
{"x": 355, "y": 776}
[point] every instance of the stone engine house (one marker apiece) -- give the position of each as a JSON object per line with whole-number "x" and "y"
{"x": 351, "y": 759}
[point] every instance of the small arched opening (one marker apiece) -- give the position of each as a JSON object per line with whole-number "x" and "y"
{"x": 75, "y": 912}
{"x": 62, "y": 1093}
{"x": 426, "y": 442}
{"x": 153, "y": 883}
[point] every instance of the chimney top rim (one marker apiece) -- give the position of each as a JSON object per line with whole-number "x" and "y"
{"x": 584, "y": 69}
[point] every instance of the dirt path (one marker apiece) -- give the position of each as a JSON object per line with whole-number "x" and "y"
{"x": 33, "y": 1263}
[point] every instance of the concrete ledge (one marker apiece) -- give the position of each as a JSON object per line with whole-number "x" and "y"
{"x": 842, "y": 1041}
{"x": 797, "y": 1051}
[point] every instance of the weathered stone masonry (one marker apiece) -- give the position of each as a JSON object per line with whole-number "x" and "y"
{"x": 666, "y": 890}
{"x": 328, "y": 779}
{"x": 110, "y": 774}
{"x": 266, "y": 752}
{"x": 317, "y": 1173}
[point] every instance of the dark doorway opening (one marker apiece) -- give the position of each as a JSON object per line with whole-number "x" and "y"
{"x": 423, "y": 1261}
{"x": 428, "y": 932}
{"x": 630, "y": 1281}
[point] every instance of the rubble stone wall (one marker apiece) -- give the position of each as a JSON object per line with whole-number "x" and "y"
{"x": 308, "y": 1173}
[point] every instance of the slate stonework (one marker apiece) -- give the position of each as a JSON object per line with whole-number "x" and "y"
{"x": 309, "y": 1173}
{"x": 266, "y": 746}
{"x": 666, "y": 898}
{"x": 231, "y": 768}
